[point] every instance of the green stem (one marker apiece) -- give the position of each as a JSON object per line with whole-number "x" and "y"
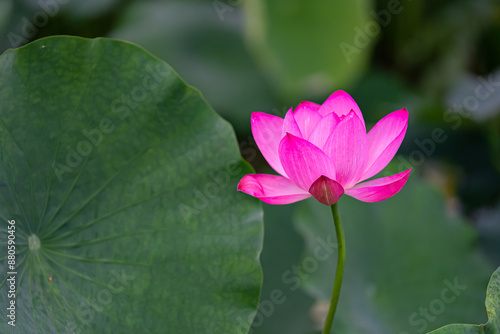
{"x": 340, "y": 269}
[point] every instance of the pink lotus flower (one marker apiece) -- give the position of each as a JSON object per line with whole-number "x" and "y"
{"x": 325, "y": 152}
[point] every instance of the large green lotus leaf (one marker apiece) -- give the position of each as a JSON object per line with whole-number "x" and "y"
{"x": 122, "y": 184}
{"x": 205, "y": 44}
{"x": 410, "y": 266}
{"x": 313, "y": 46}
{"x": 492, "y": 308}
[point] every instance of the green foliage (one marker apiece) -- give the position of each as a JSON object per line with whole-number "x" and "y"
{"x": 417, "y": 61}
{"x": 122, "y": 183}
{"x": 311, "y": 46}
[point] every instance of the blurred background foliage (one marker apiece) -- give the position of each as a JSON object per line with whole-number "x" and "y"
{"x": 439, "y": 59}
